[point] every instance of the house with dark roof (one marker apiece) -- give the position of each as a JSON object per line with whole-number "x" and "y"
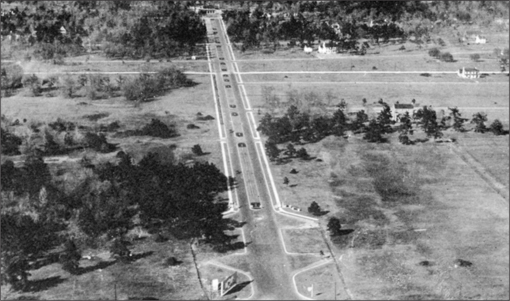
{"x": 401, "y": 109}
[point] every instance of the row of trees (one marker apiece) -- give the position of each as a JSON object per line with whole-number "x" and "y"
{"x": 297, "y": 127}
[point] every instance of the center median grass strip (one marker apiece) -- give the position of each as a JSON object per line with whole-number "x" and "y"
{"x": 323, "y": 279}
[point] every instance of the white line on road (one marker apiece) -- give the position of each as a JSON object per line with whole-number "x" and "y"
{"x": 255, "y": 133}
{"x": 353, "y": 82}
{"x": 358, "y": 72}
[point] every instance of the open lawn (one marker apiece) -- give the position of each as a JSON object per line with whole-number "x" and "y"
{"x": 323, "y": 279}
{"x": 304, "y": 240}
{"x": 410, "y": 212}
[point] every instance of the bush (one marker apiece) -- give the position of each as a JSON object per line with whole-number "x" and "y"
{"x": 474, "y": 57}
{"x": 197, "y": 150}
{"x": 434, "y": 52}
{"x": 12, "y": 76}
{"x": 68, "y": 86}
{"x": 314, "y": 209}
{"x": 32, "y": 83}
{"x": 441, "y": 42}
{"x": 142, "y": 89}
{"x": 98, "y": 142}
{"x": 158, "y": 129}
{"x": 334, "y": 226}
{"x": 446, "y": 57}
{"x": 497, "y": 128}
{"x": 10, "y": 143}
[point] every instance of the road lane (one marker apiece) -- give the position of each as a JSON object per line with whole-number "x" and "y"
{"x": 266, "y": 257}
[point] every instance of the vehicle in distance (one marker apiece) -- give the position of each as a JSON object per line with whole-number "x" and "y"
{"x": 233, "y": 106}
{"x": 221, "y": 58}
{"x": 225, "y": 75}
{"x": 223, "y": 69}
{"x": 242, "y": 144}
{"x": 222, "y": 63}
{"x": 234, "y": 114}
{"x": 255, "y": 205}
{"x": 228, "y": 86}
{"x": 239, "y": 134}
{"x": 226, "y": 80}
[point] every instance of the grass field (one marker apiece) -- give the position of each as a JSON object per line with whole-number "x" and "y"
{"x": 323, "y": 279}
{"x": 304, "y": 240}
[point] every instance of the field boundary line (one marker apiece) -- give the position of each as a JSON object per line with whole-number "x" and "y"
{"x": 359, "y": 72}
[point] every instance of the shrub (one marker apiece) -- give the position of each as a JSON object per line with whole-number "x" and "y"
{"x": 32, "y": 83}
{"x": 197, "y": 150}
{"x": 12, "y": 76}
{"x": 314, "y": 209}
{"x": 142, "y": 89}
{"x": 474, "y": 57}
{"x": 446, "y": 57}
{"x": 434, "y": 52}
{"x": 334, "y": 226}
{"x": 497, "y": 128}
{"x": 441, "y": 42}
{"x": 68, "y": 86}
{"x": 98, "y": 142}
{"x": 10, "y": 143}
{"x": 158, "y": 129}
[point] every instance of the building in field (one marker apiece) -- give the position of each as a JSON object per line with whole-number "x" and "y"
{"x": 326, "y": 50}
{"x": 401, "y": 109}
{"x": 468, "y": 73}
{"x": 480, "y": 40}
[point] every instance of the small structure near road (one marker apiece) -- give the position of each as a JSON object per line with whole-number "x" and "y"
{"x": 468, "y": 73}
{"x": 307, "y": 49}
{"x": 480, "y": 40}
{"x": 326, "y": 50}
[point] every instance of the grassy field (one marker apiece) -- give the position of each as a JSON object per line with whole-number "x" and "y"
{"x": 323, "y": 280}
{"x": 241, "y": 291}
{"x": 303, "y": 240}
{"x": 405, "y": 205}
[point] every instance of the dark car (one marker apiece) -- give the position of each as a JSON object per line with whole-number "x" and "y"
{"x": 226, "y": 80}
{"x": 239, "y": 134}
{"x": 234, "y": 114}
{"x": 228, "y": 86}
{"x": 223, "y": 69}
{"x": 233, "y": 106}
{"x": 221, "y": 58}
{"x": 255, "y": 205}
{"x": 222, "y": 63}
{"x": 241, "y": 144}
{"x": 225, "y": 75}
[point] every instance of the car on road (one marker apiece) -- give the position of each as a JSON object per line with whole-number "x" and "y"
{"x": 223, "y": 69}
{"x": 225, "y": 75}
{"x": 242, "y": 144}
{"x": 255, "y": 205}
{"x": 221, "y": 58}
{"x": 222, "y": 63}
{"x": 234, "y": 114}
{"x": 228, "y": 86}
{"x": 233, "y": 106}
{"x": 226, "y": 80}
{"x": 239, "y": 134}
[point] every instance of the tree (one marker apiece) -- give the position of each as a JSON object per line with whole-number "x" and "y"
{"x": 32, "y": 83}
{"x": 339, "y": 123}
{"x": 119, "y": 249}
{"x": 197, "y": 150}
{"x": 384, "y": 119}
{"x": 302, "y": 153}
{"x": 428, "y": 121}
{"x": 458, "y": 121}
{"x": 314, "y": 209}
{"x": 10, "y": 143}
{"x": 434, "y": 52}
{"x": 474, "y": 57}
{"x": 405, "y": 129}
{"x": 479, "y": 120}
{"x": 285, "y": 181}
{"x": 446, "y": 57}
{"x": 374, "y": 132}
{"x": 70, "y": 257}
{"x": 69, "y": 86}
{"x": 496, "y": 127}
{"x": 272, "y": 150}
{"x": 266, "y": 124}
{"x": 291, "y": 150}
{"x": 334, "y": 226}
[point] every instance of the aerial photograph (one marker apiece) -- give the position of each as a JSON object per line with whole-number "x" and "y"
{"x": 255, "y": 150}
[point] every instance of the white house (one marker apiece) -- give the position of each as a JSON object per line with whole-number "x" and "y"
{"x": 480, "y": 40}
{"x": 468, "y": 72}
{"x": 326, "y": 50}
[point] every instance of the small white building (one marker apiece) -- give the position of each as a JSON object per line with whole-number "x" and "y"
{"x": 468, "y": 73}
{"x": 326, "y": 50}
{"x": 307, "y": 49}
{"x": 480, "y": 40}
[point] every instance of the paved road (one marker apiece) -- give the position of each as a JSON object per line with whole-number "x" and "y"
{"x": 266, "y": 259}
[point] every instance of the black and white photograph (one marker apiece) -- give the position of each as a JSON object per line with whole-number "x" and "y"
{"x": 255, "y": 150}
